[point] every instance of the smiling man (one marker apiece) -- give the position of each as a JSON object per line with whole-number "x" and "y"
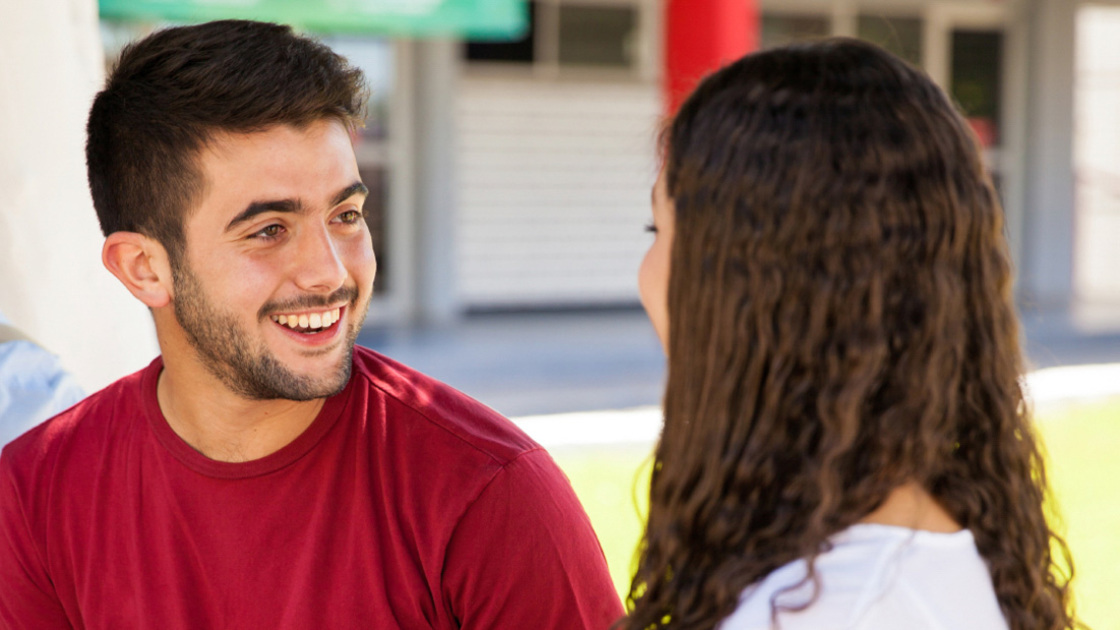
{"x": 264, "y": 472}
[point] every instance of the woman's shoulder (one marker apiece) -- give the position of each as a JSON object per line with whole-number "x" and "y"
{"x": 876, "y": 577}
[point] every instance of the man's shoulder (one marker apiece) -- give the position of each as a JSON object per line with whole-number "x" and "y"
{"x": 86, "y": 425}
{"x": 430, "y": 405}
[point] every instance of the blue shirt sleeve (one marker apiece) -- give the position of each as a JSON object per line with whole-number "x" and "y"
{"x": 33, "y": 387}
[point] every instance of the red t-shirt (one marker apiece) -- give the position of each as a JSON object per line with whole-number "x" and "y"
{"x": 405, "y": 504}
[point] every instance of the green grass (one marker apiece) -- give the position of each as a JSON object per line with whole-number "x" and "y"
{"x": 1083, "y": 442}
{"x": 1083, "y": 445}
{"x": 613, "y": 485}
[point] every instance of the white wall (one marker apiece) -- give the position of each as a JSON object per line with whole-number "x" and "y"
{"x": 1097, "y": 155}
{"x": 554, "y": 189}
{"x": 1046, "y": 271}
{"x": 52, "y": 283}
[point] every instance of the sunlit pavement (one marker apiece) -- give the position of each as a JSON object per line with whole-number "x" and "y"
{"x": 538, "y": 363}
{"x": 583, "y": 378}
{"x": 641, "y": 425}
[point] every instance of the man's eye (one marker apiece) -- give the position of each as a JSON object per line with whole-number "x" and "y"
{"x": 271, "y": 231}
{"x": 350, "y": 216}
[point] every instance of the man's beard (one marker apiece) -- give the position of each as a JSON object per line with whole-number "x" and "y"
{"x": 254, "y": 373}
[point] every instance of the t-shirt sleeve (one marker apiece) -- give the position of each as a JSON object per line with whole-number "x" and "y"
{"x": 524, "y": 555}
{"x": 27, "y": 598}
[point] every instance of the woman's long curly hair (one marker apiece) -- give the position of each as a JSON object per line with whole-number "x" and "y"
{"x": 840, "y": 323}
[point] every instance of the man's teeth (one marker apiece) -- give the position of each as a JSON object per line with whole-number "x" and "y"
{"x": 308, "y": 320}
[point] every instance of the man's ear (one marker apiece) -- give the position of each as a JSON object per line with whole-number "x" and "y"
{"x": 142, "y": 266}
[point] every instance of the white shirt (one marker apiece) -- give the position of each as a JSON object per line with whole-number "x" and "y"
{"x": 879, "y": 577}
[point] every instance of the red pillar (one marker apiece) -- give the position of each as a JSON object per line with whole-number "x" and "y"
{"x": 701, "y": 36}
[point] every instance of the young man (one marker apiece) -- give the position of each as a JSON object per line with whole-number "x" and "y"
{"x": 264, "y": 472}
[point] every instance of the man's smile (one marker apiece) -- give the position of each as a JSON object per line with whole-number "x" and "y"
{"x": 309, "y": 322}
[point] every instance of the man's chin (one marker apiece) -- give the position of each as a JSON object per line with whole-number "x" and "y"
{"x": 268, "y": 378}
{"x": 335, "y": 386}
{"x": 314, "y": 386}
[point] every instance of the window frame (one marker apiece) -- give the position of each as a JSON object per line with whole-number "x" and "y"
{"x": 546, "y": 52}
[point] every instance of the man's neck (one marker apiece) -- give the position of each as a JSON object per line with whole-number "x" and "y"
{"x": 225, "y": 426}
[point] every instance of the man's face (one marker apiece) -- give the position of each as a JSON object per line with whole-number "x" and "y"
{"x": 278, "y": 268}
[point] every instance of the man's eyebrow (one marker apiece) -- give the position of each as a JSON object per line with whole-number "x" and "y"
{"x": 260, "y": 207}
{"x": 348, "y": 192}
{"x": 291, "y": 205}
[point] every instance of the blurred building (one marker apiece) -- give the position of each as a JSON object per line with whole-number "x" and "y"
{"x": 515, "y": 173}
{"x": 518, "y": 173}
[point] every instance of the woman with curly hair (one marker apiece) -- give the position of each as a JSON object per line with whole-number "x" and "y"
{"x": 846, "y": 443}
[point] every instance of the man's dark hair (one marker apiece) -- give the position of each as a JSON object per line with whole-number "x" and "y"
{"x": 173, "y": 90}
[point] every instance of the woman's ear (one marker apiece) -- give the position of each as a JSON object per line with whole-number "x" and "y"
{"x": 141, "y": 264}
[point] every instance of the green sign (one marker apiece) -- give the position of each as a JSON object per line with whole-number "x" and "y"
{"x": 480, "y": 19}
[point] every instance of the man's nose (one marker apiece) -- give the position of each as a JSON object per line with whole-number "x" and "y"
{"x": 318, "y": 266}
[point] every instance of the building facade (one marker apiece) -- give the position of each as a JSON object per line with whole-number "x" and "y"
{"x": 522, "y": 169}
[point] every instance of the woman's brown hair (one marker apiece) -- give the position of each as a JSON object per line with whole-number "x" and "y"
{"x": 840, "y": 323}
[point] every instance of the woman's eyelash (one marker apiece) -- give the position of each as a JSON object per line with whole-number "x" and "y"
{"x": 651, "y": 228}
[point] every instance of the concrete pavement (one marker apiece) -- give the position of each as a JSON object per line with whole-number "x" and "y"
{"x": 536, "y": 364}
